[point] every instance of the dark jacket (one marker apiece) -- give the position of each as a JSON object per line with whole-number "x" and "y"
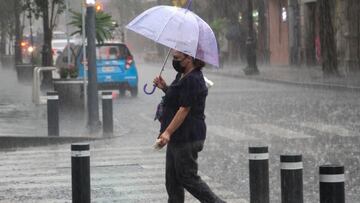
{"x": 190, "y": 91}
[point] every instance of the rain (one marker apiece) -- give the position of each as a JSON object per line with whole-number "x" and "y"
{"x": 282, "y": 74}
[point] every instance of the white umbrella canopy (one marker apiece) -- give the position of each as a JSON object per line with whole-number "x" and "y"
{"x": 179, "y": 29}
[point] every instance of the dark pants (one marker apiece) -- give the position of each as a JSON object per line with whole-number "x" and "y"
{"x": 182, "y": 173}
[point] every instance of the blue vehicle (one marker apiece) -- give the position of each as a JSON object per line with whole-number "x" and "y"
{"x": 115, "y": 68}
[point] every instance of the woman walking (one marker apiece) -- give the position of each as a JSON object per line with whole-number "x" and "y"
{"x": 183, "y": 129}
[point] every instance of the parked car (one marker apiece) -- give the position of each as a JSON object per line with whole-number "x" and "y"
{"x": 116, "y": 68}
{"x": 58, "y": 43}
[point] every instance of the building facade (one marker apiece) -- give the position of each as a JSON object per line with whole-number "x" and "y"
{"x": 294, "y": 32}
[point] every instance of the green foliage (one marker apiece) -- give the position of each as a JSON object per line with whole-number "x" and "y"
{"x": 56, "y": 6}
{"x": 73, "y": 72}
{"x": 104, "y": 25}
{"x": 63, "y": 72}
{"x": 218, "y": 26}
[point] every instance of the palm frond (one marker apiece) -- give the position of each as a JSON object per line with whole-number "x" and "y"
{"x": 103, "y": 24}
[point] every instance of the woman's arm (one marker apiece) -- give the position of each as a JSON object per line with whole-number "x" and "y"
{"x": 174, "y": 125}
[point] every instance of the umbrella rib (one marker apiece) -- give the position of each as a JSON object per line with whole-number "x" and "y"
{"x": 158, "y": 37}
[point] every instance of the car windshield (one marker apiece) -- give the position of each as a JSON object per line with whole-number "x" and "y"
{"x": 111, "y": 52}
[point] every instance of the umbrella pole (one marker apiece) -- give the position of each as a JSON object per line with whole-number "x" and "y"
{"x": 162, "y": 70}
{"x": 163, "y": 66}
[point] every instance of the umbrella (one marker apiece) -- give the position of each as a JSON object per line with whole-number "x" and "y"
{"x": 179, "y": 29}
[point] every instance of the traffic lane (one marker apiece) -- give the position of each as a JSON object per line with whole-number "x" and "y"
{"x": 242, "y": 103}
{"x": 239, "y": 113}
{"x": 134, "y": 117}
{"x": 289, "y": 119}
{"x": 244, "y": 108}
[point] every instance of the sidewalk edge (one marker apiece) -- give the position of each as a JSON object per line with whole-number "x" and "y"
{"x": 9, "y": 142}
{"x": 302, "y": 84}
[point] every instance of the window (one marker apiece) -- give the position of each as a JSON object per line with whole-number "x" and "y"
{"x": 110, "y": 52}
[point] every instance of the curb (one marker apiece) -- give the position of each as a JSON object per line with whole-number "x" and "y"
{"x": 301, "y": 84}
{"x": 8, "y": 142}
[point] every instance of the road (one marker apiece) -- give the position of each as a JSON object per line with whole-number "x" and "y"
{"x": 322, "y": 125}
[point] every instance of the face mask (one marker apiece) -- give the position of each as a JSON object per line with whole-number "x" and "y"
{"x": 178, "y": 67}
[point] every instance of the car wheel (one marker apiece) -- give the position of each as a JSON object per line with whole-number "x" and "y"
{"x": 134, "y": 91}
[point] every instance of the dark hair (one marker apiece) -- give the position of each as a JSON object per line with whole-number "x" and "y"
{"x": 199, "y": 64}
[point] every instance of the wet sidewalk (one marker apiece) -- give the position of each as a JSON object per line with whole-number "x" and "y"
{"x": 304, "y": 76}
{"x": 22, "y": 123}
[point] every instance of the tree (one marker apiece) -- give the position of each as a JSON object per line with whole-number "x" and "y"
{"x": 18, "y": 31}
{"x": 49, "y": 10}
{"x": 353, "y": 35}
{"x": 104, "y": 25}
{"x": 6, "y": 23}
{"x": 294, "y": 31}
{"x": 235, "y": 30}
{"x": 125, "y": 12}
{"x": 327, "y": 39}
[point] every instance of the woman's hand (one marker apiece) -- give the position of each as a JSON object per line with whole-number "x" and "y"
{"x": 178, "y": 119}
{"x": 164, "y": 139}
{"x": 160, "y": 83}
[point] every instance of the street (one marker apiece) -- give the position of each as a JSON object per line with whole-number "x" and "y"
{"x": 322, "y": 125}
{"x": 282, "y": 113}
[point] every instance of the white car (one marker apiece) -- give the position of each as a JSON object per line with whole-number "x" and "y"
{"x": 58, "y": 43}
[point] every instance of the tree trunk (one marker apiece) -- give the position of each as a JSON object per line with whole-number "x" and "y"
{"x": 310, "y": 34}
{"x": 263, "y": 44}
{"x": 3, "y": 39}
{"x": 294, "y": 32}
{"x": 18, "y": 35}
{"x": 47, "y": 49}
{"x": 353, "y": 35}
{"x": 327, "y": 39}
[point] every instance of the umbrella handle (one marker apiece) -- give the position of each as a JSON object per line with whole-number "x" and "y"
{"x": 151, "y": 92}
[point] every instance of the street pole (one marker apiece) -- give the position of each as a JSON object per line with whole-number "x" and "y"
{"x": 18, "y": 38}
{"x": 31, "y": 38}
{"x": 251, "y": 68}
{"x": 84, "y": 58}
{"x": 80, "y": 173}
{"x": 259, "y": 174}
{"x": 93, "y": 103}
{"x": 67, "y": 32}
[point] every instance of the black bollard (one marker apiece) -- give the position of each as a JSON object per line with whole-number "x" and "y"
{"x": 80, "y": 173}
{"x": 53, "y": 113}
{"x": 107, "y": 110}
{"x": 259, "y": 174}
{"x": 291, "y": 179}
{"x": 332, "y": 184}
